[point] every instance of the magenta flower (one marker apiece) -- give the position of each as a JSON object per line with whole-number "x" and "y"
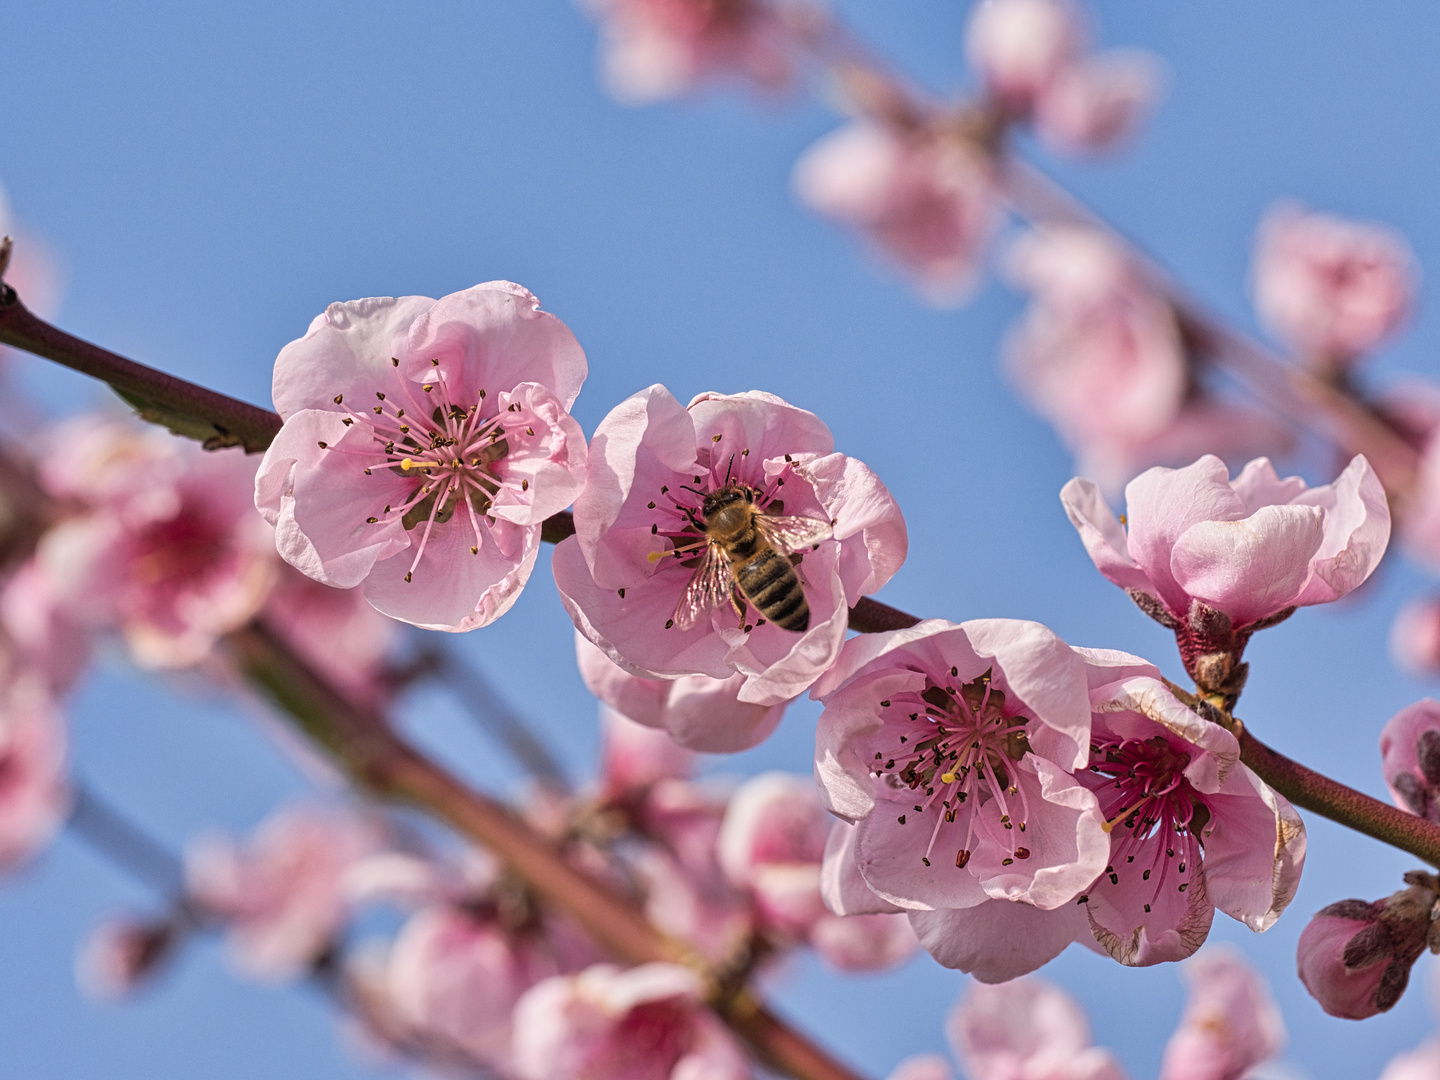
{"x": 1230, "y": 1023}
{"x": 1028, "y": 1029}
{"x": 1347, "y": 960}
{"x": 454, "y": 977}
{"x": 951, "y": 748}
{"x": 168, "y": 548}
{"x": 641, "y": 581}
{"x": 1191, "y": 828}
{"x": 1410, "y": 758}
{"x": 1332, "y": 288}
{"x": 1215, "y": 559}
{"x": 1098, "y": 353}
{"x": 35, "y": 792}
{"x": 280, "y": 894}
{"x": 657, "y": 49}
{"x": 424, "y": 443}
{"x": 644, "y": 1023}
{"x": 698, "y": 712}
{"x": 771, "y": 845}
{"x": 925, "y": 200}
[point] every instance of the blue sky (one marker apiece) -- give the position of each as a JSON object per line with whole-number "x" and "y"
{"x": 213, "y": 176}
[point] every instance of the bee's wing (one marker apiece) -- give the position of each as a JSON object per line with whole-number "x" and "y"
{"x": 792, "y": 534}
{"x": 708, "y": 588}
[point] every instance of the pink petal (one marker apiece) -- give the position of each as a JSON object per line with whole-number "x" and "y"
{"x": 863, "y": 942}
{"x": 860, "y": 506}
{"x": 1357, "y": 531}
{"x": 346, "y": 351}
{"x": 841, "y": 885}
{"x": 997, "y": 940}
{"x": 1254, "y": 851}
{"x": 1175, "y": 925}
{"x": 1102, "y": 534}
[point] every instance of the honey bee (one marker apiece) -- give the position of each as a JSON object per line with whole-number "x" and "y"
{"x": 746, "y": 551}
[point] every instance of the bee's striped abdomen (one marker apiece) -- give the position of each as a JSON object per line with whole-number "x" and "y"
{"x": 770, "y": 583}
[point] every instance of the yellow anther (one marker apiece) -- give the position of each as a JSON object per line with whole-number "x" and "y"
{"x": 947, "y": 778}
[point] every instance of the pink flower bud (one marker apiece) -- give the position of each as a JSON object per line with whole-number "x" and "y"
{"x": 1018, "y": 47}
{"x": 634, "y": 758}
{"x": 1098, "y": 103}
{"x": 1410, "y": 758}
{"x": 1346, "y": 960}
{"x": 1415, "y": 637}
{"x": 122, "y": 953}
{"x": 1230, "y": 1023}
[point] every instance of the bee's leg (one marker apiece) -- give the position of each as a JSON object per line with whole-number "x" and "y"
{"x": 737, "y": 601}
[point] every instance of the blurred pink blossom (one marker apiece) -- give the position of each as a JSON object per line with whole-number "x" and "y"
{"x": 961, "y": 738}
{"x": 1028, "y": 1029}
{"x": 1422, "y": 1063}
{"x": 1230, "y": 1023}
{"x": 1415, "y": 637}
{"x": 1331, "y": 288}
{"x": 1098, "y": 353}
{"x": 341, "y": 637}
{"x": 280, "y": 894}
{"x": 34, "y": 789}
{"x": 922, "y": 1067}
{"x": 926, "y": 200}
{"x": 608, "y": 1023}
{"x": 657, "y": 49}
{"x": 424, "y": 443}
{"x": 1099, "y": 102}
{"x": 771, "y": 845}
{"x": 45, "y": 636}
{"x": 455, "y": 976}
{"x": 168, "y": 547}
{"x": 634, "y": 758}
{"x": 653, "y": 464}
{"x": 34, "y": 271}
{"x": 1213, "y": 559}
{"x": 1345, "y": 960}
{"x": 1191, "y": 828}
{"x": 1019, "y": 47}
{"x": 697, "y": 711}
{"x": 1410, "y": 758}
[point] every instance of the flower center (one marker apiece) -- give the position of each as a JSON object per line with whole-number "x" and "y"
{"x": 1148, "y": 801}
{"x": 958, "y": 752}
{"x": 450, "y": 450}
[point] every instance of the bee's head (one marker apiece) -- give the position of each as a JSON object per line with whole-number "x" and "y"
{"x": 722, "y": 497}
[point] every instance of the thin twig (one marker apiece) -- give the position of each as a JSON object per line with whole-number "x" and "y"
{"x": 110, "y": 833}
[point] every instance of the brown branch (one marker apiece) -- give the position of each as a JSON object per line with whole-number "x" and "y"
{"x": 187, "y": 409}
{"x": 380, "y": 762}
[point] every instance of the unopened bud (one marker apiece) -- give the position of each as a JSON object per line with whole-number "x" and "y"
{"x": 1355, "y": 956}
{"x": 123, "y": 953}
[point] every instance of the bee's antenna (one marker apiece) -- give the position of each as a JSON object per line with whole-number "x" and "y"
{"x": 728, "y": 467}
{"x": 692, "y": 491}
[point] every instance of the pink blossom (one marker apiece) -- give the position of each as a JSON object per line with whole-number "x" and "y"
{"x": 1098, "y": 353}
{"x": 657, "y": 49}
{"x": 1422, "y": 1063}
{"x": 418, "y": 427}
{"x": 1192, "y": 829}
{"x": 771, "y": 845}
{"x": 122, "y": 953}
{"x": 1410, "y": 758}
{"x": 1028, "y": 1029}
{"x": 961, "y": 738}
{"x": 653, "y": 466}
{"x": 169, "y": 550}
{"x": 281, "y": 893}
{"x": 455, "y": 976}
{"x": 1230, "y": 1023}
{"x": 1215, "y": 559}
{"x": 634, "y": 758}
{"x": 1019, "y": 47}
{"x": 1345, "y": 960}
{"x": 34, "y": 789}
{"x": 925, "y": 200}
{"x": 45, "y": 637}
{"x": 1331, "y": 288}
{"x": 608, "y": 1023}
{"x": 1097, "y": 103}
{"x": 1415, "y": 637}
{"x": 334, "y": 631}
{"x": 697, "y": 711}
{"x": 922, "y": 1067}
